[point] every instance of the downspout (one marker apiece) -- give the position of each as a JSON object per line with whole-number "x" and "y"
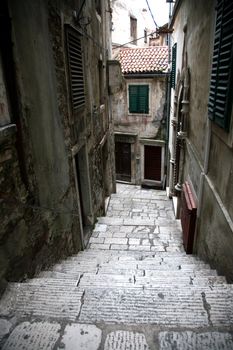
{"x": 205, "y": 167}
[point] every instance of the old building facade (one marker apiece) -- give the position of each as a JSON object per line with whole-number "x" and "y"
{"x": 201, "y": 131}
{"x": 139, "y": 114}
{"x": 131, "y": 23}
{"x": 139, "y": 102}
{"x": 56, "y": 158}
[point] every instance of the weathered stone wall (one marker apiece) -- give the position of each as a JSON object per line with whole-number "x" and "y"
{"x": 152, "y": 125}
{"x": 208, "y": 155}
{"x": 41, "y": 206}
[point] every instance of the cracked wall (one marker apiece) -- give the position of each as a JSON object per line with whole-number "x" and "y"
{"x": 41, "y": 206}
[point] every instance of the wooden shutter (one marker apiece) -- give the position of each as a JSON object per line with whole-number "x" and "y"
{"x": 139, "y": 99}
{"x": 143, "y": 98}
{"x": 220, "y": 95}
{"x": 173, "y": 72}
{"x": 133, "y": 94}
{"x": 74, "y": 53}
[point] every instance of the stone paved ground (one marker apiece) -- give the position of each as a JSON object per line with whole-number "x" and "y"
{"x": 134, "y": 288}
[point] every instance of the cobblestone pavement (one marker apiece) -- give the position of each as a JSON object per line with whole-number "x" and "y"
{"x": 134, "y": 288}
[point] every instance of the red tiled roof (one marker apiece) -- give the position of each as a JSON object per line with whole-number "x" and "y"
{"x": 153, "y": 59}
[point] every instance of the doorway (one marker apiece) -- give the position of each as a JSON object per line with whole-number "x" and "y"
{"x": 123, "y": 161}
{"x": 152, "y": 163}
{"x": 84, "y": 193}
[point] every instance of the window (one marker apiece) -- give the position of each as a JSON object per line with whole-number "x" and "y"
{"x": 139, "y": 99}
{"x": 133, "y": 29}
{"x": 173, "y": 71}
{"x": 75, "y": 61}
{"x": 220, "y": 96}
{"x": 145, "y": 36}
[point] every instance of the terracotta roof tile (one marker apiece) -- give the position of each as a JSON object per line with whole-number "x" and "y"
{"x": 152, "y": 59}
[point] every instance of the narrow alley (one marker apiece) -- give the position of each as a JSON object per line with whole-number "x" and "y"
{"x": 132, "y": 288}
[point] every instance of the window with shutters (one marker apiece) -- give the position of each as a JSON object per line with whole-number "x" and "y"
{"x": 75, "y": 63}
{"x": 220, "y": 95}
{"x": 173, "y": 71}
{"x": 138, "y": 97}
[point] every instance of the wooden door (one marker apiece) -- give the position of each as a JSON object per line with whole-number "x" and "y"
{"x": 123, "y": 161}
{"x": 152, "y": 163}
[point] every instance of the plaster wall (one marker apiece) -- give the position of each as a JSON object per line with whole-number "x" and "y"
{"x": 208, "y": 152}
{"x": 193, "y": 33}
{"x": 149, "y": 125}
{"x": 122, "y": 10}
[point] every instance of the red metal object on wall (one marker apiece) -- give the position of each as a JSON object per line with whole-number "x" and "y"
{"x": 188, "y": 217}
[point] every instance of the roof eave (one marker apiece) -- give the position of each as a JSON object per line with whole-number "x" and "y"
{"x": 145, "y": 75}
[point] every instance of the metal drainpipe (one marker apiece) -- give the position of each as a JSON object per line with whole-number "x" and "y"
{"x": 205, "y": 168}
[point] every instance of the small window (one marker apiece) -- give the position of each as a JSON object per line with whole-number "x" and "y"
{"x": 221, "y": 90}
{"x": 75, "y": 61}
{"x": 139, "y": 99}
{"x": 145, "y": 36}
{"x": 133, "y": 29}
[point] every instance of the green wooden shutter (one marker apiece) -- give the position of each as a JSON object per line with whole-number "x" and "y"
{"x": 143, "y": 94}
{"x": 133, "y": 94}
{"x": 139, "y": 99}
{"x": 173, "y": 71}
{"x": 220, "y": 95}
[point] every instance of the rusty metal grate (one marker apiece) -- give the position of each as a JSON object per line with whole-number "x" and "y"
{"x": 75, "y": 61}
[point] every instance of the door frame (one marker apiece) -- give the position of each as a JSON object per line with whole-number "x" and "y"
{"x": 75, "y": 150}
{"x": 132, "y": 139}
{"x": 158, "y": 143}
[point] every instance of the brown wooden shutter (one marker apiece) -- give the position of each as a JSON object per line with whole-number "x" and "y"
{"x": 75, "y": 61}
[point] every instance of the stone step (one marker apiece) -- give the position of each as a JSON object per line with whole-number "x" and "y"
{"x": 157, "y": 264}
{"x": 171, "y": 307}
{"x": 139, "y": 196}
{"x": 59, "y": 275}
{"x": 132, "y": 281}
{"x": 42, "y": 299}
{"x": 90, "y": 258}
{"x": 137, "y": 255}
{"x": 119, "y": 221}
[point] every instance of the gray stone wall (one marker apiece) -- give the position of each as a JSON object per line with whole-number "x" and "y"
{"x": 41, "y": 207}
{"x": 208, "y": 154}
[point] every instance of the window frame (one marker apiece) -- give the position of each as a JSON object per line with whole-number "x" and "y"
{"x": 75, "y": 106}
{"x": 149, "y": 98}
{"x": 133, "y": 29}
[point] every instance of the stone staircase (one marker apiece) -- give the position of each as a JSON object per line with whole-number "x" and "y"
{"x": 133, "y": 288}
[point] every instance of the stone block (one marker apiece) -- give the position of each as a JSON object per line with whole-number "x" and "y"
{"x": 31, "y": 336}
{"x": 192, "y": 341}
{"x": 122, "y": 340}
{"x": 119, "y": 247}
{"x": 80, "y": 337}
{"x": 116, "y": 240}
